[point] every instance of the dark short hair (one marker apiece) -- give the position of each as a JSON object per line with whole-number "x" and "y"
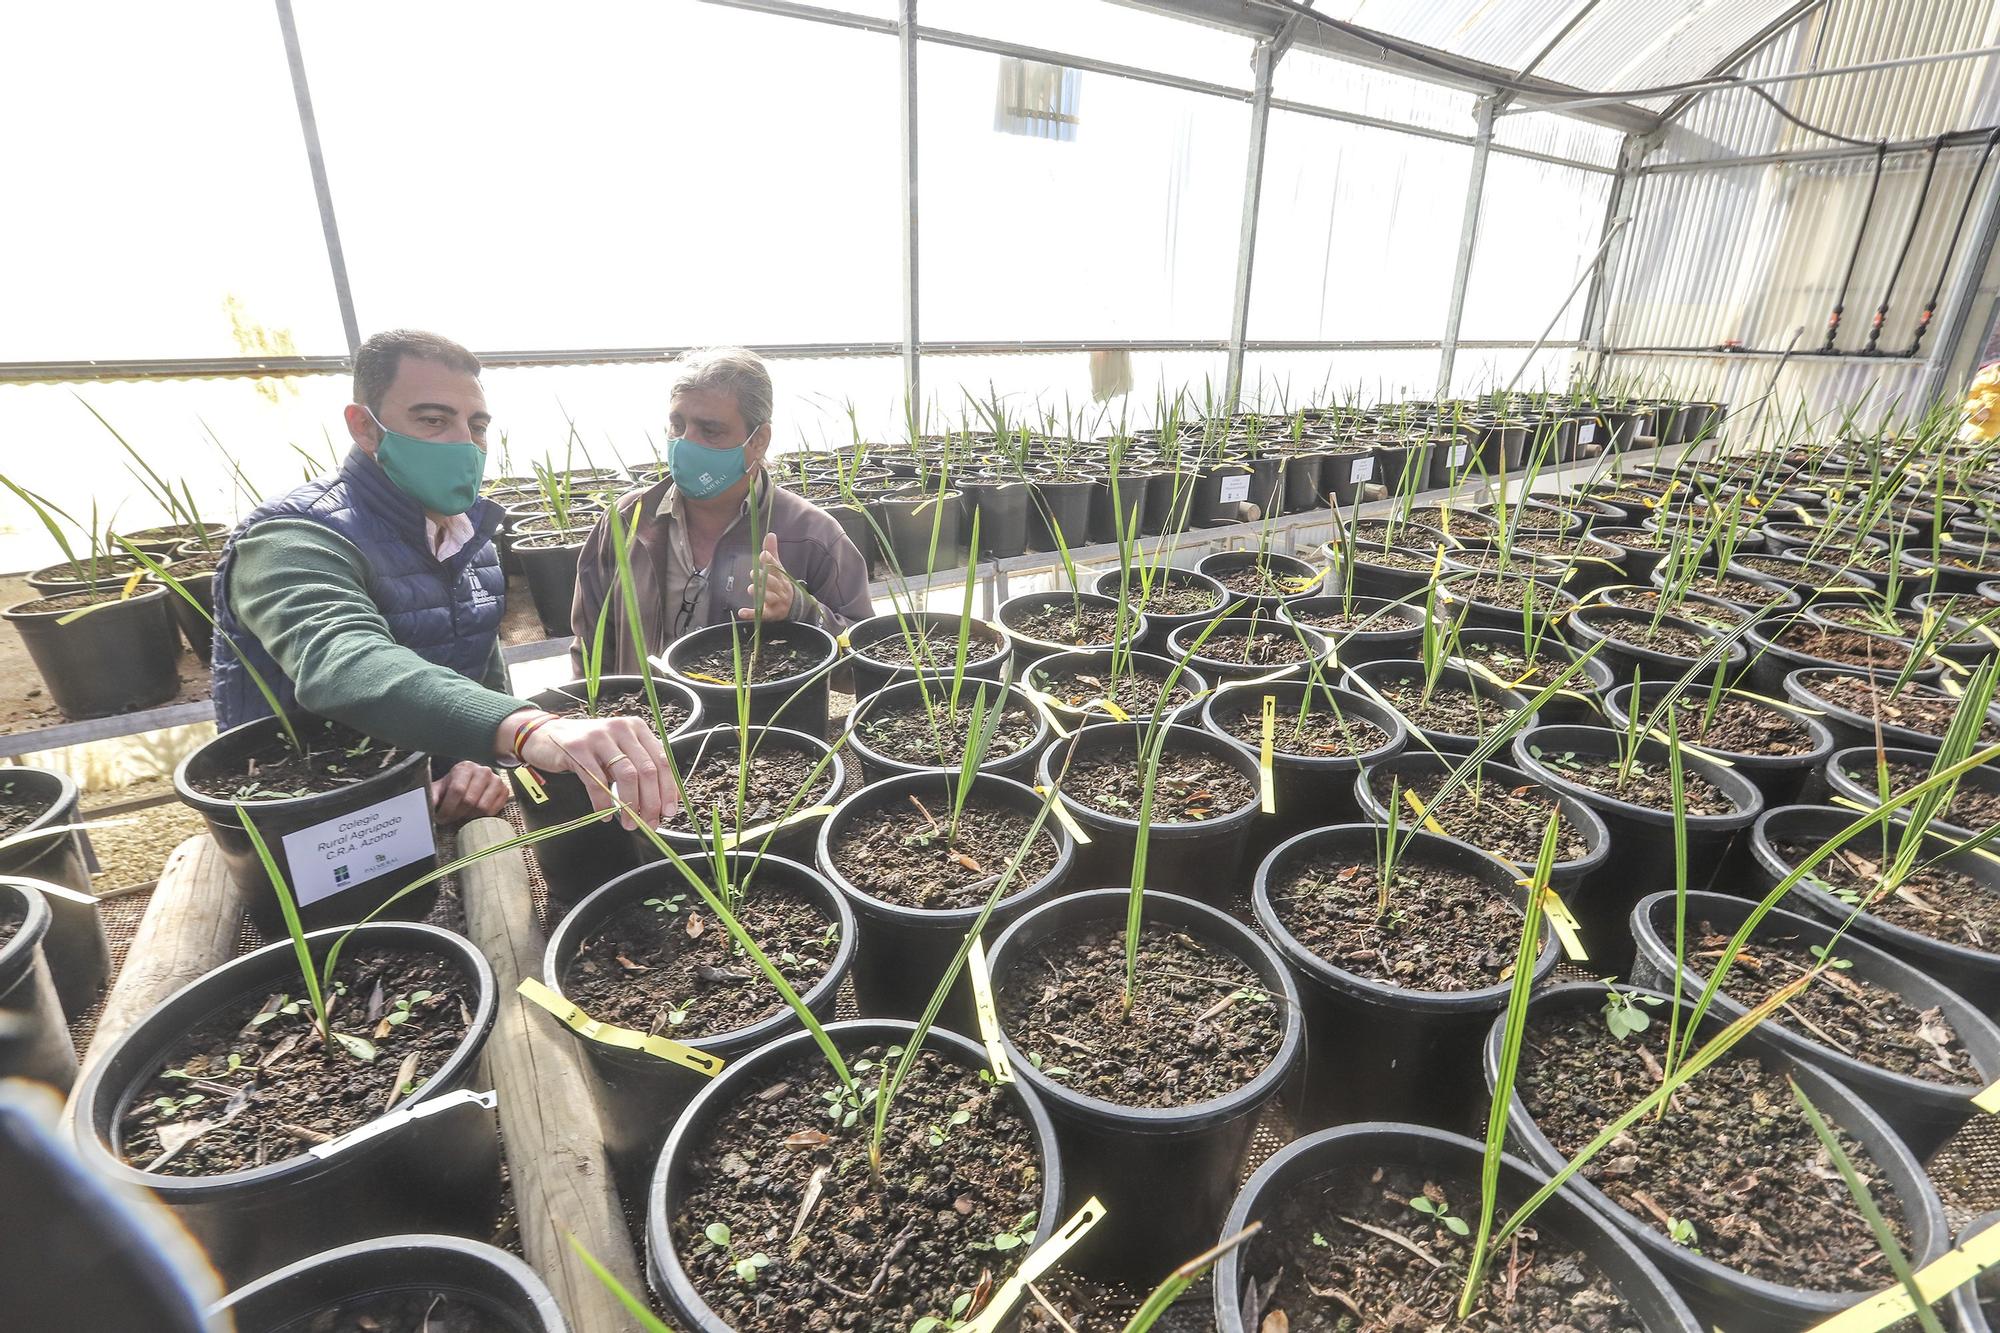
{"x": 378, "y": 360}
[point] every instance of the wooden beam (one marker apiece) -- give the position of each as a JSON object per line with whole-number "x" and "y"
{"x": 548, "y": 1119}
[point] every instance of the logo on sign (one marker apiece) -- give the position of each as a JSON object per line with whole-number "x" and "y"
{"x": 341, "y": 874}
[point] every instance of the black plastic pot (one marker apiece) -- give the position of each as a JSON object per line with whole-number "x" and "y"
{"x": 1456, "y": 598}
{"x": 1850, "y": 773}
{"x": 1160, "y": 624}
{"x": 1313, "y": 477}
{"x": 1641, "y": 1287}
{"x": 194, "y": 627}
{"x": 1059, "y": 507}
{"x": 432, "y": 1164}
{"x": 1002, "y": 506}
{"x": 1366, "y": 577}
{"x": 38, "y": 1046}
{"x": 1923, "y": 1113}
{"x": 507, "y": 1292}
{"x": 926, "y": 530}
{"x": 1371, "y": 793}
{"x": 1352, "y": 647}
{"x": 1366, "y": 676}
{"x": 720, "y": 745}
{"x": 987, "y": 649}
{"x": 1201, "y": 859}
{"x": 797, "y": 701}
{"x": 82, "y": 1254}
{"x": 1642, "y": 839}
{"x": 119, "y": 656}
{"x": 1029, "y": 650}
{"x": 1721, "y": 1295}
{"x": 1639, "y": 560}
{"x": 548, "y": 562}
{"x": 1771, "y": 662}
{"x": 909, "y": 697}
{"x": 79, "y": 955}
{"x": 317, "y": 841}
{"x": 639, "y": 1096}
{"x": 160, "y": 542}
{"x": 1168, "y": 1172}
{"x": 1579, "y": 699}
{"x": 753, "y": 1073}
{"x": 1097, "y": 662}
{"x": 1218, "y": 564}
{"x": 904, "y": 950}
{"x": 577, "y": 862}
{"x": 1614, "y": 629}
{"x": 1781, "y": 777}
{"x": 1105, "y": 517}
{"x": 1380, "y": 1052}
{"x": 1310, "y": 789}
{"x": 1236, "y": 629}
{"x": 1852, "y": 728}
{"x": 1973, "y": 973}
{"x": 61, "y": 579}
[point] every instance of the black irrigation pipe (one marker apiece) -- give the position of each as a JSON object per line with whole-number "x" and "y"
{"x": 1854, "y": 255}
{"x": 1902, "y": 256}
{"x": 1951, "y": 249}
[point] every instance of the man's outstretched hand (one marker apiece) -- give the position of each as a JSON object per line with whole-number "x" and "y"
{"x": 774, "y": 583}
{"x": 468, "y": 791}
{"x": 618, "y": 754}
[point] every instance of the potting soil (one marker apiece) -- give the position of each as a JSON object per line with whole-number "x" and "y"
{"x": 1443, "y": 929}
{"x": 901, "y": 855}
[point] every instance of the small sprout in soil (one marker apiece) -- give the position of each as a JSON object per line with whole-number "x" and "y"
{"x": 1567, "y": 759}
{"x": 677, "y": 1013}
{"x": 1622, "y": 1013}
{"x": 747, "y": 1266}
{"x": 940, "y": 1132}
{"x": 286, "y": 1005}
{"x": 1056, "y": 1071}
{"x": 1320, "y": 1240}
{"x": 931, "y": 1323}
{"x": 1440, "y": 1212}
{"x": 1012, "y": 1239}
{"x": 402, "y": 1013}
{"x": 1819, "y": 951}
{"x": 169, "y": 1107}
{"x": 665, "y": 905}
{"x": 828, "y": 940}
{"x": 1682, "y": 1232}
{"x": 358, "y": 1047}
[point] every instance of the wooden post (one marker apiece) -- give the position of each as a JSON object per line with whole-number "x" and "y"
{"x": 190, "y": 929}
{"x": 548, "y": 1120}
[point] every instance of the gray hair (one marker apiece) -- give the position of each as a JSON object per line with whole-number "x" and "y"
{"x": 736, "y": 371}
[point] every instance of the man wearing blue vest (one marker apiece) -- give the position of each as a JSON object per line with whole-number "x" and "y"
{"x": 373, "y": 597}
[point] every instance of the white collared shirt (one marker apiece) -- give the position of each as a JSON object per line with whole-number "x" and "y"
{"x": 449, "y": 537}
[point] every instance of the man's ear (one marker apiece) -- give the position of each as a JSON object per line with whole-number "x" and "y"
{"x": 757, "y": 445}
{"x": 361, "y": 428}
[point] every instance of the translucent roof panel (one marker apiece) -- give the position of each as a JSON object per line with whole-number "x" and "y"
{"x": 1101, "y": 31}
{"x": 1311, "y": 79}
{"x": 1507, "y": 33}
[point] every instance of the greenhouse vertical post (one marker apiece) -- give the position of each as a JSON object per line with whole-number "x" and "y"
{"x": 1617, "y": 204}
{"x": 906, "y": 76}
{"x": 1468, "y": 239}
{"x": 1958, "y": 301}
{"x": 1264, "y": 60}
{"x": 309, "y": 126}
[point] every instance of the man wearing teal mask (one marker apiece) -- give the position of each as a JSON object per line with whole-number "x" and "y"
{"x": 693, "y": 562}
{"x": 373, "y": 596}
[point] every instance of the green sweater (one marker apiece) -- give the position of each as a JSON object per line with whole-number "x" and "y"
{"x": 303, "y": 591}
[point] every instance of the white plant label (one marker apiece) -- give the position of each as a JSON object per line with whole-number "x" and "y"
{"x": 1457, "y": 454}
{"x": 354, "y": 848}
{"x": 1586, "y": 432}
{"x": 1362, "y": 470}
{"x": 1235, "y": 490}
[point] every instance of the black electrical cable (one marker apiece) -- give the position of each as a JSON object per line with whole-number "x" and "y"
{"x": 1854, "y": 255}
{"x": 1951, "y": 248}
{"x": 1903, "y": 255}
{"x": 1807, "y": 126}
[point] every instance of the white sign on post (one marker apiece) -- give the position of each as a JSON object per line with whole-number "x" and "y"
{"x": 1586, "y": 432}
{"x": 1235, "y": 490}
{"x": 1457, "y": 455}
{"x": 354, "y": 848}
{"x": 1362, "y": 470}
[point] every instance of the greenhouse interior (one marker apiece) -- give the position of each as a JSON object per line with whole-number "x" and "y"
{"x": 1273, "y": 666}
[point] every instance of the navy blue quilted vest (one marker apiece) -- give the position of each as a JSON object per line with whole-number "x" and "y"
{"x": 446, "y": 611}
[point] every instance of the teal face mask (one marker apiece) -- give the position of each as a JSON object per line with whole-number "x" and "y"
{"x": 701, "y": 472}
{"x": 443, "y": 478}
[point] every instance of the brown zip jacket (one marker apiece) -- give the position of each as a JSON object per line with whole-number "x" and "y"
{"x": 811, "y": 545}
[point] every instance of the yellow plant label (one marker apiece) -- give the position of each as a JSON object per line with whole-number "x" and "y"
{"x": 531, "y": 783}
{"x": 1115, "y": 711}
{"x": 1065, "y": 818}
{"x": 1044, "y": 1258}
{"x": 625, "y": 1039}
{"x": 1423, "y": 815}
{"x": 1568, "y": 930}
{"x": 1305, "y": 582}
{"x": 981, "y": 978}
{"x": 1267, "y": 785}
{"x": 132, "y": 584}
{"x": 1988, "y": 1099}
{"x": 842, "y": 641}
{"x": 1951, "y": 1270}
{"x": 732, "y": 840}
{"x": 707, "y": 679}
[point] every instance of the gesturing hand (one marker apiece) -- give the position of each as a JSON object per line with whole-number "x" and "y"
{"x": 621, "y": 753}
{"x": 468, "y": 791}
{"x": 771, "y": 581}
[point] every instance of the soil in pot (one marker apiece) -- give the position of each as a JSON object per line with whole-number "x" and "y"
{"x": 1741, "y": 592}
{"x": 1170, "y": 597}
{"x": 260, "y": 1087}
{"x": 1320, "y": 733}
{"x": 1971, "y": 807}
{"x": 773, "y": 660}
{"x": 1386, "y": 1240}
{"x": 666, "y": 965}
{"x": 1079, "y": 624}
{"x": 1916, "y": 707}
{"x": 1257, "y": 580}
{"x": 1648, "y": 600}
{"x": 1504, "y": 821}
{"x": 1528, "y": 673}
{"x": 1847, "y": 647}
{"x": 1440, "y": 928}
{"x": 1452, "y": 709}
{"x": 1672, "y": 640}
{"x": 1273, "y": 644}
{"x": 903, "y": 856}
{"x": 1855, "y": 1016}
{"x": 1192, "y": 784}
{"x": 1646, "y": 783}
{"x": 960, "y": 1189}
{"x": 1201, "y": 1024}
{"x": 1740, "y": 724}
{"x": 1734, "y": 1159}
{"x": 630, "y": 703}
{"x": 1345, "y": 622}
{"x": 336, "y": 756}
{"x": 776, "y": 775}
{"x": 1934, "y": 900}
{"x": 937, "y": 739}
{"x": 1135, "y": 692}
{"x": 935, "y": 646}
